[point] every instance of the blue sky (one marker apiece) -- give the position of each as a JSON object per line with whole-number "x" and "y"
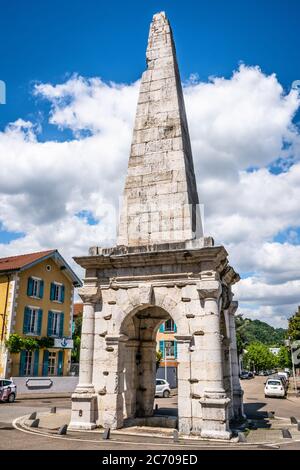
{"x": 65, "y": 138}
{"x": 46, "y": 41}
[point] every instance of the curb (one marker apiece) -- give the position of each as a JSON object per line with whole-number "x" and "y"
{"x": 19, "y": 424}
{"x": 46, "y": 396}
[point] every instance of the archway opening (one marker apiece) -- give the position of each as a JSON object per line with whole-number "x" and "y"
{"x": 147, "y": 359}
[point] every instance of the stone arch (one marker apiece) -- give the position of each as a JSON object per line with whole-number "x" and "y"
{"x": 130, "y": 302}
{"x": 137, "y": 359}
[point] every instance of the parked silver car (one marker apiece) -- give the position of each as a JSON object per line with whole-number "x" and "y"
{"x": 8, "y": 390}
{"x": 162, "y": 388}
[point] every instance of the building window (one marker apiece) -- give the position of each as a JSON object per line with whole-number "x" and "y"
{"x": 32, "y": 321}
{"x": 169, "y": 349}
{"x": 28, "y": 363}
{"x": 169, "y": 326}
{"x": 55, "y": 324}
{"x": 57, "y": 292}
{"x": 35, "y": 287}
{"x": 52, "y": 363}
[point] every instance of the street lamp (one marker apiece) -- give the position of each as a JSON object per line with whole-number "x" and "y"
{"x": 289, "y": 343}
{"x": 166, "y": 369}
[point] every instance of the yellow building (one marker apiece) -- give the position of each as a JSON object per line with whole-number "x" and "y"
{"x": 36, "y": 301}
{"x": 167, "y": 345}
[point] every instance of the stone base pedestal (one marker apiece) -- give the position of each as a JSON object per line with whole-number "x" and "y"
{"x": 215, "y": 418}
{"x": 83, "y": 416}
{"x": 238, "y": 406}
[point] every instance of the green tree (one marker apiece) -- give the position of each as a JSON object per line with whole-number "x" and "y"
{"x": 283, "y": 358}
{"x": 159, "y": 356}
{"x": 259, "y": 357}
{"x": 294, "y": 326}
{"x": 240, "y": 328}
{"x": 77, "y": 339}
{"x": 252, "y": 331}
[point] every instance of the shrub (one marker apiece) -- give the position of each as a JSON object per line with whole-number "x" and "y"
{"x": 15, "y": 343}
{"x": 46, "y": 342}
{"x": 30, "y": 344}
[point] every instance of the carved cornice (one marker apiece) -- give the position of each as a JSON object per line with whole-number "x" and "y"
{"x": 230, "y": 276}
{"x": 90, "y": 293}
{"x": 233, "y": 307}
{"x": 226, "y": 297}
{"x": 209, "y": 289}
{"x": 158, "y": 255}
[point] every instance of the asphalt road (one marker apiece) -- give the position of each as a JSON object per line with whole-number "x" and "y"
{"x": 10, "y": 438}
{"x": 255, "y": 401}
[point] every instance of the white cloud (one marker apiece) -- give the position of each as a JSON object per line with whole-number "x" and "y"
{"x": 237, "y": 123}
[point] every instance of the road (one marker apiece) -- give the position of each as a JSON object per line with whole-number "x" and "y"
{"x": 10, "y": 438}
{"x": 255, "y": 401}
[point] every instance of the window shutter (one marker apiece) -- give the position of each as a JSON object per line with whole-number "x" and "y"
{"x": 45, "y": 363}
{"x": 162, "y": 348}
{"x": 41, "y": 289}
{"x": 52, "y": 291}
{"x": 30, "y": 286}
{"x": 60, "y": 363}
{"x": 62, "y": 293}
{"x": 39, "y": 324}
{"x": 36, "y": 363}
{"x": 22, "y": 363}
{"x": 61, "y": 325}
{"x": 26, "y": 322}
{"x": 162, "y": 328}
{"x": 175, "y": 349}
{"x": 175, "y": 328}
{"x": 50, "y": 322}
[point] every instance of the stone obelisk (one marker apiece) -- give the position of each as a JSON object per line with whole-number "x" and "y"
{"x": 161, "y": 268}
{"x": 160, "y": 200}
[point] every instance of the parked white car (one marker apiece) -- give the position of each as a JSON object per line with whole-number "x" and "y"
{"x": 162, "y": 388}
{"x": 275, "y": 388}
{"x": 8, "y": 390}
{"x": 285, "y": 375}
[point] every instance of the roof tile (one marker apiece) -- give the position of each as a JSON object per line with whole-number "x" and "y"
{"x": 13, "y": 263}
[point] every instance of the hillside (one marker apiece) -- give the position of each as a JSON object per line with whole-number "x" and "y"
{"x": 249, "y": 331}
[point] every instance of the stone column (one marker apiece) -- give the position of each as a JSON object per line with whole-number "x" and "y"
{"x": 131, "y": 348}
{"x": 184, "y": 385}
{"x": 84, "y": 404}
{"x": 112, "y": 397}
{"x": 215, "y": 423}
{"x": 146, "y": 379}
{"x": 228, "y": 374}
{"x": 237, "y": 392}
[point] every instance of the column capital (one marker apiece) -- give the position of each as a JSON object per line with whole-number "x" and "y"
{"x": 90, "y": 293}
{"x": 209, "y": 289}
{"x": 233, "y": 307}
{"x": 116, "y": 339}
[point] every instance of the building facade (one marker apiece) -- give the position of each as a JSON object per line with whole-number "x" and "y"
{"x": 36, "y": 302}
{"x": 167, "y": 345}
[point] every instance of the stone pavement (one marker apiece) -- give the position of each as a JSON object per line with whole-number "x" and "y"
{"x": 258, "y": 432}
